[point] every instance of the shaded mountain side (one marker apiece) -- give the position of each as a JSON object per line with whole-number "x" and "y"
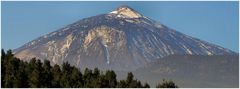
{"x": 193, "y": 71}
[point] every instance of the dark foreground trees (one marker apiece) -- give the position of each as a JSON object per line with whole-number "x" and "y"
{"x": 20, "y": 74}
{"x": 167, "y": 84}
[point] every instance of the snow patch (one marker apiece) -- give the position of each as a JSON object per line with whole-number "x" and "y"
{"x": 121, "y": 22}
{"x": 158, "y": 25}
{"x": 209, "y": 53}
{"x": 206, "y": 48}
{"x": 45, "y": 36}
{"x": 188, "y": 50}
{"x": 32, "y": 43}
{"x": 65, "y": 29}
{"x": 114, "y": 12}
{"x": 106, "y": 52}
{"x": 130, "y": 21}
{"x": 126, "y": 12}
{"x": 52, "y": 34}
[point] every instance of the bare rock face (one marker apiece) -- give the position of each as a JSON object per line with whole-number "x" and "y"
{"x": 121, "y": 40}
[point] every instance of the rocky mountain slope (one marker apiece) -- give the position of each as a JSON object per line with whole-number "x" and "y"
{"x": 121, "y": 40}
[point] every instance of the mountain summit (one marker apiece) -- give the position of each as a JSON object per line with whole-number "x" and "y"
{"x": 125, "y": 11}
{"x": 121, "y": 40}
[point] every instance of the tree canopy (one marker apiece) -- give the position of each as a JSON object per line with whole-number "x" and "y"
{"x": 16, "y": 73}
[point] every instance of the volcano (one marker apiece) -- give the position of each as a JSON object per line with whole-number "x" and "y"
{"x": 122, "y": 39}
{"x": 125, "y": 40}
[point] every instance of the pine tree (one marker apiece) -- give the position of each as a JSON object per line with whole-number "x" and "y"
{"x": 96, "y": 73}
{"x": 111, "y": 78}
{"x": 96, "y": 82}
{"x": 10, "y": 69}
{"x": 146, "y": 85}
{"x": 3, "y": 67}
{"x": 102, "y": 82}
{"x": 167, "y": 84}
{"x": 3, "y": 54}
{"x": 31, "y": 65}
{"x": 129, "y": 79}
{"x": 35, "y": 78}
{"x": 9, "y": 55}
{"x": 21, "y": 76}
{"x": 65, "y": 79}
{"x": 122, "y": 84}
{"x": 56, "y": 72}
{"x": 76, "y": 78}
{"x": 87, "y": 77}
{"x": 46, "y": 74}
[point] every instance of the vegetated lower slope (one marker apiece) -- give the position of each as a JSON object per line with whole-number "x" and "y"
{"x": 16, "y": 73}
{"x": 194, "y": 70}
